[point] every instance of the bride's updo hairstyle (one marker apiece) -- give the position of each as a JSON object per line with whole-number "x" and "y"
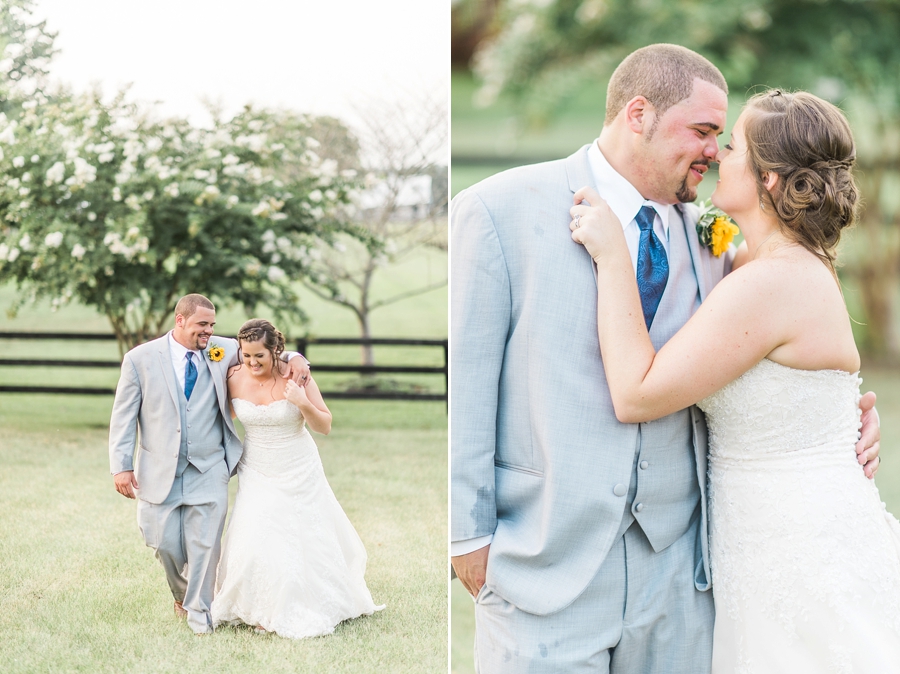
{"x": 259, "y": 329}
{"x": 808, "y": 143}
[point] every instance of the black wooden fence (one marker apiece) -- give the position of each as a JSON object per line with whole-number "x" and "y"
{"x": 303, "y": 346}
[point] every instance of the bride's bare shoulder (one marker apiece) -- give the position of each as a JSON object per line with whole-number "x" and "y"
{"x": 235, "y": 377}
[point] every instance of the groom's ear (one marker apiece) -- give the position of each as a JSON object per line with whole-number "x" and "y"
{"x": 639, "y": 114}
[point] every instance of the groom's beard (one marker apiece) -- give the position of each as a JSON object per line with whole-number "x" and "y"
{"x": 686, "y": 194}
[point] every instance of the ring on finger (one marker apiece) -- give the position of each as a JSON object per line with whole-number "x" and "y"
{"x": 577, "y": 221}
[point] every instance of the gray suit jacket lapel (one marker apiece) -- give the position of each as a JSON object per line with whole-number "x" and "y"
{"x": 165, "y": 358}
{"x": 699, "y": 257}
{"x": 220, "y": 386}
{"x": 578, "y": 171}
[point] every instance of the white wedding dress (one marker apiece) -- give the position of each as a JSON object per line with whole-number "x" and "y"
{"x": 805, "y": 558}
{"x": 291, "y": 561}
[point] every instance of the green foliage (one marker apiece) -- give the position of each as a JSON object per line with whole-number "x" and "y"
{"x": 107, "y": 203}
{"x": 103, "y": 202}
{"x": 547, "y": 49}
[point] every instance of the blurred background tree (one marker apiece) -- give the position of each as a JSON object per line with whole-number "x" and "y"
{"x": 402, "y": 206}
{"x": 541, "y": 59}
{"x": 107, "y": 204}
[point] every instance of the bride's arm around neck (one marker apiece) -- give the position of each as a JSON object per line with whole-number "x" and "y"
{"x": 787, "y": 308}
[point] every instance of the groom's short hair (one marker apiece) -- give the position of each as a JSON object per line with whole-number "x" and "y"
{"x": 663, "y": 74}
{"x": 188, "y": 304}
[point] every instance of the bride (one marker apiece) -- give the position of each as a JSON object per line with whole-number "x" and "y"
{"x": 291, "y": 561}
{"x": 770, "y": 358}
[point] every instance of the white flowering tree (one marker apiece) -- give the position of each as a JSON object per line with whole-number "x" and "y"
{"x": 26, "y": 48}
{"x": 403, "y": 207}
{"x": 103, "y": 203}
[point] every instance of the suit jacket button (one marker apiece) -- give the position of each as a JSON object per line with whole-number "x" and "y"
{"x": 620, "y": 489}
{"x": 644, "y": 465}
{"x": 639, "y": 507}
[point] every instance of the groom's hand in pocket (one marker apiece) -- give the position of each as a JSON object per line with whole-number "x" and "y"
{"x": 471, "y": 569}
{"x": 869, "y": 444}
{"x": 126, "y": 483}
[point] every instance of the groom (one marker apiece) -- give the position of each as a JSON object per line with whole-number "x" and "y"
{"x": 172, "y": 396}
{"x": 584, "y": 540}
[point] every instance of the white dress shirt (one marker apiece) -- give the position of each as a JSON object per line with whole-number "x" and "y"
{"x": 177, "y": 352}
{"x": 625, "y": 201}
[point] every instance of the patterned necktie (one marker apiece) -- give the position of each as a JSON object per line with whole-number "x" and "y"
{"x": 190, "y": 375}
{"x": 652, "y": 265}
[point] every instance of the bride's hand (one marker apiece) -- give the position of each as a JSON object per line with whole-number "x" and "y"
{"x": 294, "y": 393}
{"x": 594, "y": 225}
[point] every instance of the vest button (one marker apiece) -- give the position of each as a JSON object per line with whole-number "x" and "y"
{"x": 175, "y": 454}
{"x": 639, "y": 507}
{"x": 620, "y": 489}
{"x": 178, "y": 430}
{"x": 645, "y": 465}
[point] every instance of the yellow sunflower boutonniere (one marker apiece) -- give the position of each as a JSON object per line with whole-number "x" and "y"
{"x": 715, "y": 229}
{"x": 216, "y": 353}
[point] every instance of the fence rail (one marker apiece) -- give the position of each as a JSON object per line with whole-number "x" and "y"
{"x": 303, "y": 346}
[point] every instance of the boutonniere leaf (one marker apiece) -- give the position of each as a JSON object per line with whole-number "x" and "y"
{"x": 215, "y": 353}
{"x": 715, "y": 229}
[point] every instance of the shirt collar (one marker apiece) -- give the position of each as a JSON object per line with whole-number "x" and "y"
{"x": 622, "y": 197}
{"x": 178, "y": 350}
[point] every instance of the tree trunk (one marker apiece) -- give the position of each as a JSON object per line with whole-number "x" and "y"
{"x": 367, "y": 356}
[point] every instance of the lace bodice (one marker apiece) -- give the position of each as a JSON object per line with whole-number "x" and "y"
{"x": 271, "y": 433}
{"x": 793, "y": 522}
{"x": 773, "y": 413}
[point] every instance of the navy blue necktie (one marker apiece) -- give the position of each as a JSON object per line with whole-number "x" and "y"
{"x": 190, "y": 375}
{"x": 652, "y": 265}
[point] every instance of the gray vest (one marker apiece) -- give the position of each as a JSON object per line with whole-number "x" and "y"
{"x": 663, "y": 492}
{"x": 202, "y": 437}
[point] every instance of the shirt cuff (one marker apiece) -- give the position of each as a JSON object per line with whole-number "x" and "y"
{"x": 293, "y": 354}
{"x": 458, "y": 548}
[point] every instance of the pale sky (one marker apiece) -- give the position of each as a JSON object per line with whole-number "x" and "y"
{"x": 315, "y": 56}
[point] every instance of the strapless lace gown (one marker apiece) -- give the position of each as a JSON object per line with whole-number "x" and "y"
{"x": 805, "y": 558}
{"x": 291, "y": 561}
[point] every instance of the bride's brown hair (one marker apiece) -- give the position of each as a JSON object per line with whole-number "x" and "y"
{"x": 259, "y": 329}
{"x": 807, "y": 142}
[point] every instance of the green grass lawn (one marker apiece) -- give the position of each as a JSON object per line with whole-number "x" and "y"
{"x": 79, "y": 590}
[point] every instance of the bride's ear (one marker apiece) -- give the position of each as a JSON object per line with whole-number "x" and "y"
{"x": 769, "y": 179}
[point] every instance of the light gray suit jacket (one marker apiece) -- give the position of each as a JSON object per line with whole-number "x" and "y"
{"x": 146, "y": 407}
{"x": 536, "y": 449}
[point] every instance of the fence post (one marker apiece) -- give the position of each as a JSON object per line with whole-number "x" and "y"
{"x": 302, "y": 346}
{"x": 446, "y": 376}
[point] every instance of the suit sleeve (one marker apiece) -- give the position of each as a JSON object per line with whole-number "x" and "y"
{"x": 480, "y": 311}
{"x": 124, "y": 420}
